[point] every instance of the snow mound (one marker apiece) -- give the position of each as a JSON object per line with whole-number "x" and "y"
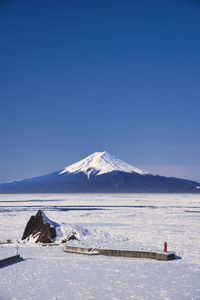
{"x": 91, "y": 236}
{"x": 100, "y": 163}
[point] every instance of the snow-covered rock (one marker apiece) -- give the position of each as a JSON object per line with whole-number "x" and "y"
{"x": 40, "y": 229}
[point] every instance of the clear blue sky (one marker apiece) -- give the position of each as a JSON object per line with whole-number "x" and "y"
{"x": 83, "y": 76}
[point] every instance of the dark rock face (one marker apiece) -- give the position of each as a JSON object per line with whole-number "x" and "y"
{"x": 38, "y": 228}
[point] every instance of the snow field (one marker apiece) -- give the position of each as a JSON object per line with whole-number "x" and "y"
{"x": 126, "y": 221}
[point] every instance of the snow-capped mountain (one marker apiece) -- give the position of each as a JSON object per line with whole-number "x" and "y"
{"x": 101, "y": 172}
{"x": 100, "y": 163}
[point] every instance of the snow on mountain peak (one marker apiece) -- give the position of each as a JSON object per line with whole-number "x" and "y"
{"x": 99, "y": 163}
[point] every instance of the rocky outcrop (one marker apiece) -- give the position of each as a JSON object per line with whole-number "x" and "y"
{"x": 40, "y": 229}
{"x": 72, "y": 236}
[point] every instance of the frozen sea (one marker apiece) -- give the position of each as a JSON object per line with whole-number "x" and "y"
{"x": 119, "y": 221}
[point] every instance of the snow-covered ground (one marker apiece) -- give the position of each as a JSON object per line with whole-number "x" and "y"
{"x": 129, "y": 221}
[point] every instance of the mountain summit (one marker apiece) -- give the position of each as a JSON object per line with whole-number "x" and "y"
{"x": 101, "y": 172}
{"x": 100, "y": 163}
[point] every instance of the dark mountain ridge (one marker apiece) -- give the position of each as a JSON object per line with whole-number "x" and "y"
{"x": 111, "y": 182}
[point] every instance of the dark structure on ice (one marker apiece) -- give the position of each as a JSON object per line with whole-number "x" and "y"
{"x": 40, "y": 228}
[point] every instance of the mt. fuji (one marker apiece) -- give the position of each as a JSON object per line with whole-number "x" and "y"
{"x": 101, "y": 172}
{"x": 100, "y": 163}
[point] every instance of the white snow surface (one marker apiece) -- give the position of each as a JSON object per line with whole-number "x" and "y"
{"x": 99, "y": 163}
{"x": 47, "y": 220}
{"x": 118, "y": 221}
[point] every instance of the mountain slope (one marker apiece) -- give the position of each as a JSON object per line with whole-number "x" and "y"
{"x": 99, "y": 173}
{"x": 100, "y": 163}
